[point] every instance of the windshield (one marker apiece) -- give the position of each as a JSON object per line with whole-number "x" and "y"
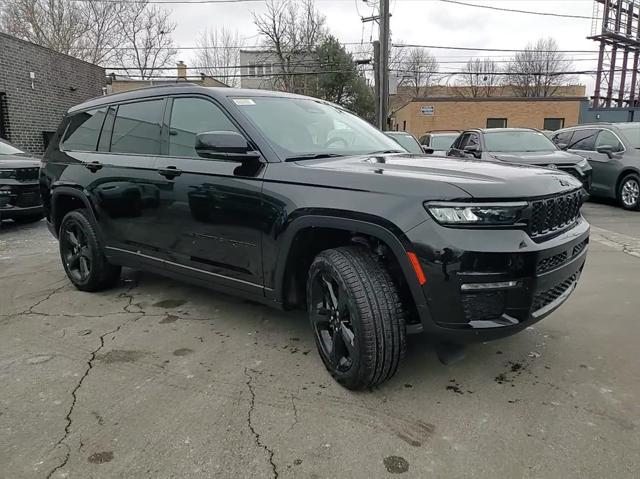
{"x": 7, "y": 149}
{"x": 443, "y": 142}
{"x": 632, "y": 132}
{"x": 507, "y": 141}
{"x": 408, "y": 142}
{"x": 306, "y": 127}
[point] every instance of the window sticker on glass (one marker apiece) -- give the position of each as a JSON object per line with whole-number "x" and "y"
{"x": 243, "y": 101}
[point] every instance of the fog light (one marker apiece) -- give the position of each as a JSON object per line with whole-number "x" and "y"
{"x": 485, "y": 286}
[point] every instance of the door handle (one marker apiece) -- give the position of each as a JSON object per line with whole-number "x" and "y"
{"x": 93, "y": 166}
{"x": 170, "y": 172}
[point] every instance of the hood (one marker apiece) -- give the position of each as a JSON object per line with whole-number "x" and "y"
{"x": 479, "y": 179}
{"x": 18, "y": 161}
{"x": 542, "y": 158}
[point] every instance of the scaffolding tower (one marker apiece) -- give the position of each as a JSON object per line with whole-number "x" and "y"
{"x": 616, "y": 26}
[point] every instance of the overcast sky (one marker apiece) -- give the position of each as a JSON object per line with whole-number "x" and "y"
{"x": 429, "y": 22}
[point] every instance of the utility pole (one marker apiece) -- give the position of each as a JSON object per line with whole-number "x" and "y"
{"x": 376, "y": 82}
{"x": 383, "y": 70}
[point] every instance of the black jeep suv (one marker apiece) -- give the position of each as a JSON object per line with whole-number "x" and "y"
{"x": 295, "y": 202}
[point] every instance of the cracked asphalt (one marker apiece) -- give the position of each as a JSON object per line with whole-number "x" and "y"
{"x": 160, "y": 379}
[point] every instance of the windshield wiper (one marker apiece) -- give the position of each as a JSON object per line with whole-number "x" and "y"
{"x": 385, "y": 152}
{"x": 313, "y": 156}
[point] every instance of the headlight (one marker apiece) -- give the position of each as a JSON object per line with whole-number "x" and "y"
{"x": 482, "y": 214}
{"x": 7, "y": 174}
{"x": 583, "y": 163}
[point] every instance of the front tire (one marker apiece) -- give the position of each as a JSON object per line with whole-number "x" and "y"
{"x": 629, "y": 192}
{"x": 82, "y": 255}
{"x": 356, "y": 315}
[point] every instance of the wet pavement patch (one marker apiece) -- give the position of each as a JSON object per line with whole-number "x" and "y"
{"x": 169, "y": 318}
{"x": 100, "y": 457}
{"x": 396, "y": 464}
{"x": 120, "y": 356}
{"x": 182, "y": 352}
{"x": 169, "y": 303}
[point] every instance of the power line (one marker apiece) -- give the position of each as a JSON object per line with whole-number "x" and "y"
{"x": 514, "y": 10}
{"x": 475, "y": 49}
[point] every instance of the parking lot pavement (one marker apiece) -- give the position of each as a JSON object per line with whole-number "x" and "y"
{"x": 160, "y": 379}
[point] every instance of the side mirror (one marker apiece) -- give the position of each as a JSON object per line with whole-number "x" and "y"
{"x": 224, "y": 145}
{"x": 606, "y": 150}
{"x": 472, "y": 150}
{"x": 562, "y": 146}
{"x": 427, "y": 150}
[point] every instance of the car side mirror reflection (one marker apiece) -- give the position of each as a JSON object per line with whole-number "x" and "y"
{"x": 427, "y": 150}
{"x": 224, "y": 145}
{"x": 562, "y": 146}
{"x": 472, "y": 150}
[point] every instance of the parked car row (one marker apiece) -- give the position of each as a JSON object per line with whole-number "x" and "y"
{"x": 19, "y": 190}
{"x": 318, "y": 211}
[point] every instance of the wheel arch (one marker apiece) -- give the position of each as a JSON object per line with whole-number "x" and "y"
{"x": 65, "y": 199}
{"x": 340, "y": 231}
{"x": 625, "y": 172}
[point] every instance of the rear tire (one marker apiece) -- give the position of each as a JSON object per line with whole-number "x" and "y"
{"x": 82, "y": 254}
{"x": 357, "y": 317}
{"x": 629, "y": 192}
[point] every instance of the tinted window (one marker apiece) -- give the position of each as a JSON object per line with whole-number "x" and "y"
{"x": 463, "y": 141}
{"x": 607, "y": 138}
{"x": 563, "y": 138}
{"x": 553, "y": 124}
{"x": 442, "y": 142}
{"x": 190, "y": 116}
{"x": 107, "y": 130}
{"x": 496, "y": 122}
{"x": 583, "y": 140}
{"x": 517, "y": 140}
{"x": 631, "y": 132}
{"x": 83, "y": 130}
{"x": 137, "y": 128}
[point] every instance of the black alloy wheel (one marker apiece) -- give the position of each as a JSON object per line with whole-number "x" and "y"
{"x": 331, "y": 321}
{"x": 356, "y": 316}
{"x": 82, "y": 255}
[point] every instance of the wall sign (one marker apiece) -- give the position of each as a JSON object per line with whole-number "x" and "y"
{"x": 427, "y": 110}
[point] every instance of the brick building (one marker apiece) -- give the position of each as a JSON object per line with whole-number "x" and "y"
{"x": 37, "y": 86}
{"x": 448, "y": 113}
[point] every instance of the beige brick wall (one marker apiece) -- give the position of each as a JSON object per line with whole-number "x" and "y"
{"x": 460, "y": 115}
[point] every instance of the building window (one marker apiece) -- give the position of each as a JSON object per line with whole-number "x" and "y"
{"x": 496, "y": 122}
{"x": 553, "y": 124}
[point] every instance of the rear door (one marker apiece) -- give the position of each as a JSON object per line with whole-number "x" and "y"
{"x": 605, "y": 169}
{"x": 583, "y": 143}
{"x": 125, "y": 188}
{"x": 210, "y": 209}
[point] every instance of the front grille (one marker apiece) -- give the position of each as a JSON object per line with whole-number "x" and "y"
{"x": 547, "y": 297}
{"x": 554, "y": 214}
{"x": 551, "y": 262}
{"x": 483, "y": 306}
{"x": 27, "y": 174}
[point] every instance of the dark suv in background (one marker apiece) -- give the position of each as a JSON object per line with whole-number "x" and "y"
{"x": 613, "y": 151}
{"x": 19, "y": 190}
{"x": 524, "y": 146}
{"x": 295, "y": 202}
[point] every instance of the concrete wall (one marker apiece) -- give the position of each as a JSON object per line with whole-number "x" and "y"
{"x": 33, "y": 108}
{"x": 463, "y": 113}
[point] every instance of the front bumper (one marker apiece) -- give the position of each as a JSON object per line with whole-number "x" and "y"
{"x": 487, "y": 284}
{"x": 19, "y": 199}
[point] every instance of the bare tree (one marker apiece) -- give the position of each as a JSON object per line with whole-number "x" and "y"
{"x": 539, "y": 69}
{"x": 133, "y": 34}
{"x": 418, "y": 68}
{"x": 147, "y": 33}
{"x": 480, "y": 78}
{"x": 219, "y": 55}
{"x": 55, "y": 24}
{"x": 291, "y": 31}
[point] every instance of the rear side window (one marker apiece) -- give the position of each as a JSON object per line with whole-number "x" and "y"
{"x": 607, "y": 138}
{"x": 137, "y": 128}
{"x": 190, "y": 116}
{"x": 83, "y": 130}
{"x": 584, "y": 140}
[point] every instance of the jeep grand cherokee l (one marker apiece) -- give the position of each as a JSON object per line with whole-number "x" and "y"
{"x": 295, "y": 202}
